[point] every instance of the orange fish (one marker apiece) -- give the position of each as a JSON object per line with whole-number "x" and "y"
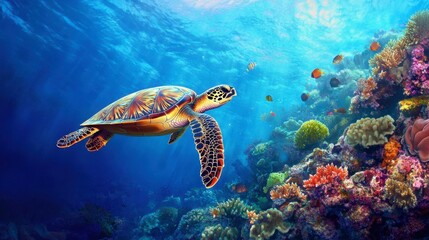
{"x": 337, "y": 59}
{"x": 340, "y": 110}
{"x": 269, "y": 98}
{"x": 273, "y": 114}
{"x": 215, "y": 213}
{"x": 239, "y": 188}
{"x": 317, "y": 73}
{"x": 305, "y": 96}
{"x": 374, "y": 46}
{"x": 251, "y": 66}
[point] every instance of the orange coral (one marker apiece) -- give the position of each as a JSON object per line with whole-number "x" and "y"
{"x": 288, "y": 191}
{"x": 325, "y": 175}
{"x": 252, "y": 216}
{"x": 366, "y": 86}
{"x": 391, "y": 150}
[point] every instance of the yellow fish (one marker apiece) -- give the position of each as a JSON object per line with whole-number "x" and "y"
{"x": 251, "y": 66}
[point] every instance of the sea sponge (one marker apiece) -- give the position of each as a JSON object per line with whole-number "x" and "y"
{"x": 310, "y": 133}
{"x": 218, "y": 232}
{"x": 267, "y": 223}
{"x": 275, "y": 178}
{"x": 370, "y": 131}
{"x": 417, "y": 139}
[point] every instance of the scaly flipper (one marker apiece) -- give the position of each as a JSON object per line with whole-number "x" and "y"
{"x": 76, "y": 136}
{"x": 176, "y": 135}
{"x": 208, "y": 142}
{"x": 98, "y": 140}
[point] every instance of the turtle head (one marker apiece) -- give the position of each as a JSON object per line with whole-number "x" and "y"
{"x": 214, "y": 97}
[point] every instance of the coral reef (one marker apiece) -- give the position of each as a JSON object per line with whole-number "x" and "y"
{"x": 289, "y": 192}
{"x": 163, "y": 222}
{"x": 267, "y": 222}
{"x": 218, "y": 232}
{"x": 192, "y": 224}
{"x": 232, "y": 208}
{"x": 417, "y": 139}
{"x": 370, "y": 131}
{"x": 310, "y": 133}
{"x": 413, "y": 106}
{"x": 418, "y": 77}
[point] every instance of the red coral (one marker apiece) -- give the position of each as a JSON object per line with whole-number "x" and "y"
{"x": 325, "y": 175}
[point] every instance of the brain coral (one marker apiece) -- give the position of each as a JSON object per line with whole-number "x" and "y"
{"x": 310, "y": 133}
{"x": 370, "y": 131}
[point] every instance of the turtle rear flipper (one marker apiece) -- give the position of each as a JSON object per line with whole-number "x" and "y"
{"x": 76, "y": 136}
{"x": 208, "y": 142}
{"x": 98, "y": 140}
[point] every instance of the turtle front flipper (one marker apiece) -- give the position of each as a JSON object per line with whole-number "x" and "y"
{"x": 208, "y": 142}
{"x": 98, "y": 140}
{"x": 76, "y": 136}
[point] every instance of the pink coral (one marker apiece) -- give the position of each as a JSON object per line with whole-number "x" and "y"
{"x": 418, "y": 76}
{"x": 417, "y": 139}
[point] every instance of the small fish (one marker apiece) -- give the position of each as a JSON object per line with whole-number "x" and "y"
{"x": 272, "y": 114}
{"x": 329, "y": 113}
{"x": 215, "y": 213}
{"x": 269, "y": 98}
{"x": 337, "y": 59}
{"x": 340, "y": 110}
{"x": 239, "y": 188}
{"x": 317, "y": 73}
{"x": 334, "y": 82}
{"x": 374, "y": 46}
{"x": 251, "y": 66}
{"x": 305, "y": 96}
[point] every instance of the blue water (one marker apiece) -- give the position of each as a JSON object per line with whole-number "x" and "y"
{"x": 62, "y": 61}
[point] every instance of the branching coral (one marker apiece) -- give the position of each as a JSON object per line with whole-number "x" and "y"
{"x": 400, "y": 194}
{"x": 366, "y": 87}
{"x": 391, "y": 150}
{"x": 391, "y": 56}
{"x": 218, "y": 232}
{"x": 310, "y": 133}
{"x": 325, "y": 175}
{"x": 267, "y": 223}
{"x": 370, "y": 131}
{"x": 289, "y": 191}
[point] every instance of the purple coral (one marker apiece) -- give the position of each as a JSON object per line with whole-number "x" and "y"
{"x": 418, "y": 76}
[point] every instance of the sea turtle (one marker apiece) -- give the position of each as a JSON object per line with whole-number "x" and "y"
{"x": 159, "y": 111}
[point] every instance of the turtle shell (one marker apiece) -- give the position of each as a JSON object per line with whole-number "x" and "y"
{"x": 145, "y": 104}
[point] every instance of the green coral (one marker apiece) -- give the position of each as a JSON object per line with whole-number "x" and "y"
{"x": 261, "y": 148}
{"x": 310, "y": 133}
{"x": 218, "y": 232}
{"x": 267, "y": 223}
{"x": 275, "y": 178}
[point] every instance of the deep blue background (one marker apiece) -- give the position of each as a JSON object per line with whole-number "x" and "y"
{"x": 62, "y": 61}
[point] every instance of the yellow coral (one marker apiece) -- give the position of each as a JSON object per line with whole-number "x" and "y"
{"x": 289, "y": 191}
{"x": 391, "y": 150}
{"x": 400, "y": 194}
{"x": 414, "y": 103}
{"x": 391, "y": 56}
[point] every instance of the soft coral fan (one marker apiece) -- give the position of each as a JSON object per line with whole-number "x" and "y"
{"x": 418, "y": 77}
